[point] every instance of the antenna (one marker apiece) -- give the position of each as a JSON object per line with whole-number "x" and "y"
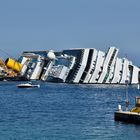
{"x": 126, "y": 94}
{"x": 127, "y": 101}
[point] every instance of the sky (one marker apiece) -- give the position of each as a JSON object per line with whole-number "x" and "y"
{"x": 63, "y": 24}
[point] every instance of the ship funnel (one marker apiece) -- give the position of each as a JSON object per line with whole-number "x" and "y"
{"x": 14, "y": 65}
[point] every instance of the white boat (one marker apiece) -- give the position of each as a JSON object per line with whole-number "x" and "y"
{"x": 132, "y": 116}
{"x": 28, "y": 85}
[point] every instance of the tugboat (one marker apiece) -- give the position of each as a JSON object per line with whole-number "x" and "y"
{"x": 28, "y": 85}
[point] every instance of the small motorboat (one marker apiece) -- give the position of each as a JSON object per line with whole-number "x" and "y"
{"x": 28, "y": 85}
{"x": 132, "y": 116}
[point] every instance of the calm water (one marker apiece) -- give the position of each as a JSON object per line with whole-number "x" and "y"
{"x": 64, "y": 112}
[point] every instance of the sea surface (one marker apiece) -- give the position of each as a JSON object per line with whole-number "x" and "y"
{"x": 64, "y": 112}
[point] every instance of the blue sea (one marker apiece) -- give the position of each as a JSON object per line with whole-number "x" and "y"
{"x": 64, "y": 112}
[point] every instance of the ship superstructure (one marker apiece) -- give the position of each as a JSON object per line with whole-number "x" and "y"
{"x": 79, "y": 65}
{"x": 90, "y": 66}
{"x": 61, "y": 68}
{"x": 109, "y": 62}
{"x": 117, "y": 71}
{"x": 98, "y": 67}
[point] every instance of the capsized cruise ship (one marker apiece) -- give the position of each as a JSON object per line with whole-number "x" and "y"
{"x": 79, "y": 65}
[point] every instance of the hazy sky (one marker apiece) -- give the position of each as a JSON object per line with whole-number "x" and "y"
{"x": 63, "y": 24}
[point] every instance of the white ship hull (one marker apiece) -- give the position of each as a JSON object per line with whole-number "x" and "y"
{"x": 85, "y": 65}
